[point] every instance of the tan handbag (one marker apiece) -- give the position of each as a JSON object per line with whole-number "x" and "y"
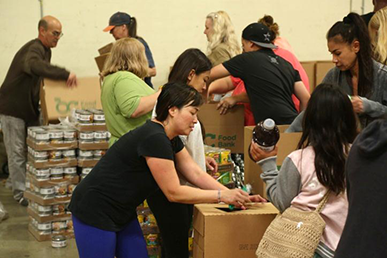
{"x": 294, "y": 233}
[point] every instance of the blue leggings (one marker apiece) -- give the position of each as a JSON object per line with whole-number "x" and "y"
{"x": 93, "y": 242}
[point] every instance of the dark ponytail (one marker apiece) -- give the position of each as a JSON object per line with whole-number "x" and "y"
{"x": 132, "y": 28}
{"x": 353, "y": 28}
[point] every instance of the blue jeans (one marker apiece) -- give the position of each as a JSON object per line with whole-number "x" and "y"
{"x": 93, "y": 242}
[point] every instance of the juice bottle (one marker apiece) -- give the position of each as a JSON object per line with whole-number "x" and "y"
{"x": 266, "y": 134}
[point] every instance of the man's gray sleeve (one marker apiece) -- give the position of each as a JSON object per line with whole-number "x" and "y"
{"x": 281, "y": 186}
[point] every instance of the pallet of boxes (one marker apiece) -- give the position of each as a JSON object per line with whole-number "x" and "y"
{"x": 50, "y": 180}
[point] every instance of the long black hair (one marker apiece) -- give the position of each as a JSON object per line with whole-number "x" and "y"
{"x": 191, "y": 58}
{"x": 178, "y": 95}
{"x": 350, "y": 29}
{"x": 329, "y": 126}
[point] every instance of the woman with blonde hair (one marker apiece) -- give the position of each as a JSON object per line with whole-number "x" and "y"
{"x": 378, "y": 34}
{"x": 222, "y": 41}
{"x": 127, "y": 100}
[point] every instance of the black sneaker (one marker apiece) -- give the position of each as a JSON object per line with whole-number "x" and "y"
{"x": 23, "y": 202}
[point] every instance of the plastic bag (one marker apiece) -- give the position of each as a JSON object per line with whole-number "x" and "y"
{"x": 3, "y": 213}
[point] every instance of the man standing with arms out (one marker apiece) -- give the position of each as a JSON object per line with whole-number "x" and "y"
{"x": 19, "y": 97}
{"x": 269, "y": 79}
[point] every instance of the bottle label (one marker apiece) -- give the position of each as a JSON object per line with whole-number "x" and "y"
{"x": 267, "y": 149}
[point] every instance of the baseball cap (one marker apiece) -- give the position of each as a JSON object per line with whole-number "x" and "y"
{"x": 259, "y": 34}
{"x": 117, "y": 19}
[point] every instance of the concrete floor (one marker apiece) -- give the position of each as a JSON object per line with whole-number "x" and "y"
{"x": 15, "y": 239}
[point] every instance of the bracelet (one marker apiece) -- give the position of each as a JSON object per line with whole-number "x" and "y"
{"x": 219, "y": 196}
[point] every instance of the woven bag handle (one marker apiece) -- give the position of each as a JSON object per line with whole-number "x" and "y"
{"x": 322, "y": 202}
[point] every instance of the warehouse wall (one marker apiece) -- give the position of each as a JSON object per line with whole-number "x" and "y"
{"x": 169, "y": 26}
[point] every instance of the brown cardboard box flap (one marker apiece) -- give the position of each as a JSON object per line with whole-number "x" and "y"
{"x": 100, "y": 60}
{"x": 58, "y": 100}
{"x": 105, "y": 49}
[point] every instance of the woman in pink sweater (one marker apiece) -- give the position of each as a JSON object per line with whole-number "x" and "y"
{"x": 318, "y": 164}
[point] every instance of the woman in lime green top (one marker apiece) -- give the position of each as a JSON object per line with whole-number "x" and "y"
{"x": 127, "y": 100}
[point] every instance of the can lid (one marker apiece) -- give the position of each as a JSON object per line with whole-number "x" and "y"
{"x": 269, "y": 124}
{"x": 58, "y": 238}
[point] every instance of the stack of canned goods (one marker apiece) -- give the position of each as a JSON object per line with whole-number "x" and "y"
{"x": 90, "y": 154}
{"x": 56, "y": 227}
{"x": 85, "y": 172}
{"x": 58, "y": 209}
{"x": 51, "y": 155}
{"x": 94, "y": 137}
{"x": 52, "y": 134}
{"x": 90, "y": 116}
{"x": 54, "y": 173}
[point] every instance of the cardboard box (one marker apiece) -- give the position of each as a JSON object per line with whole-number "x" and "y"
{"x": 223, "y": 131}
{"x": 105, "y": 49}
{"x": 53, "y": 163}
{"x": 310, "y": 69}
{"x": 38, "y": 199}
{"x": 100, "y": 60}
{"x": 93, "y": 145}
{"x": 40, "y": 237}
{"x": 322, "y": 68}
{"x": 91, "y": 128}
{"x": 40, "y": 219}
{"x": 52, "y": 146}
{"x": 287, "y": 143}
{"x": 57, "y": 100}
{"x": 75, "y": 180}
{"x": 83, "y": 163}
{"x": 222, "y": 234}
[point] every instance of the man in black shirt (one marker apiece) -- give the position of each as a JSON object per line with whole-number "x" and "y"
{"x": 19, "y": 97}
{"x": 378, "y": 4}
{"x": 270, "y": 80}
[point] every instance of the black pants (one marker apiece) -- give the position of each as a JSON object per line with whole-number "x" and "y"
{"x": 174, "y": 221}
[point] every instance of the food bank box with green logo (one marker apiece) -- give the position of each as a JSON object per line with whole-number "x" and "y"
{"x": 223, "y": 131}
{"x": 57, "y": 100}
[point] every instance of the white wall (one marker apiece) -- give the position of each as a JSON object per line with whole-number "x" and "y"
{"x": 169, "y": 26}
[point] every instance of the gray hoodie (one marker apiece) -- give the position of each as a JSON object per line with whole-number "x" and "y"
{"x": 365, "y": 231}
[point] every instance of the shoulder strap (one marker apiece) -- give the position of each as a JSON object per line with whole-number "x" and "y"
{"x": 323, "y": 202}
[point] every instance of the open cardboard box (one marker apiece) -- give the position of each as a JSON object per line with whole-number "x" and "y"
{"x": 57, "y": 100}
{"x": 223, "y": 131}
{"x": 287, "y": 143}
{"x": 219, "y": 233}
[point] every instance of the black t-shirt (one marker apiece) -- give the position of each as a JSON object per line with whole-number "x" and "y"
{"x": 107, "y": 198}
{"x": 269, "y": 80}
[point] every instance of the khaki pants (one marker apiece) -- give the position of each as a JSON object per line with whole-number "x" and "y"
{"x": 15, "y": 134}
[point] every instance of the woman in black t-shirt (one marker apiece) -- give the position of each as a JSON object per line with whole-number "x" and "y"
{"x": 104, "y": 204}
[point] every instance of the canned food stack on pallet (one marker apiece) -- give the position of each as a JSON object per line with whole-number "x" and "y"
{"x": 225, "y": 164}
{"x": 93, "y": 138}
{"x": 150, "y": 230}
{"x": 50, "y": 180}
